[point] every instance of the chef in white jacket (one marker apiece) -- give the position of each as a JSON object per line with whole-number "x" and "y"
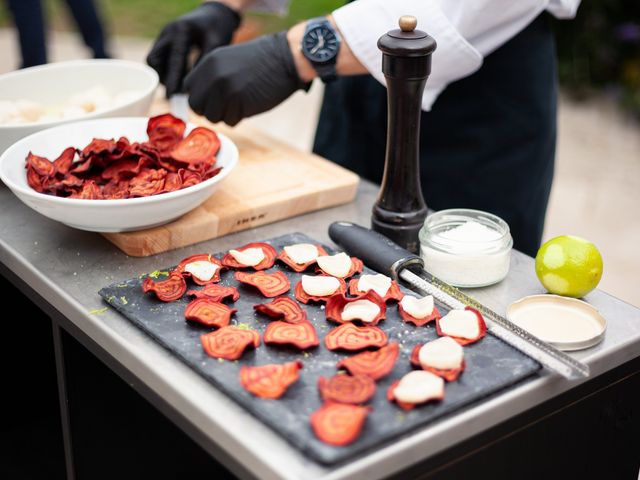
{"x": 489, "y": 106}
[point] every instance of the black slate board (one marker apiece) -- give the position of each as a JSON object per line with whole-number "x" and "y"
{"x": 492, "y": 365}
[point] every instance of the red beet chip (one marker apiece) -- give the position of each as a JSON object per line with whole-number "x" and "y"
{"x": 208, "y": 312}
{"x": 337, "y": 303}
{"x": 63, "y": 163}
{"x": 350, "y": 337}
{"x": 200, "y": 257}
{"x": 450, "y": 375}
{"x": 466, "y": 341}
{"x": 299, "y": 267}
{"x": 376, "y": 364}
{"x": 339, "y": 424}
{"x": 355, "y": 389}
{"x": 299, "y": 335}
{"x": 215, "y": 292}
{"x": 200, "y": 146}
{"x": 393, "y": 293}
{"x": 229, "y": 342}
{"x": 356, "y": 267}
{"x": 305, "y": 298}
{"x": 40, "y": 165}
{"x": 269, "y": 284}
{"x": 34, "y": 179}
{"x": 270, "y": 381}
{"x": 166, "y": 290}
{"x": 165, "y": 131}
{"x": 418, "y": 322}
{"x": 269, "y": 257}
{"x": 283, "y": 307}
{"x": 404, "y": 405}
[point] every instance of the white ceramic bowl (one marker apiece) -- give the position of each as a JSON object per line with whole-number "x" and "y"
{"x": 56, "y": 82}
{"x": 105, "y": 215}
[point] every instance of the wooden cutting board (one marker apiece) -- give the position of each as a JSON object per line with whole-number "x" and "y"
{"x": 272, "y": 181}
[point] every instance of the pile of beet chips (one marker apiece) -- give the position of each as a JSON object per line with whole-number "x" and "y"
{"x": 113, "y": 169}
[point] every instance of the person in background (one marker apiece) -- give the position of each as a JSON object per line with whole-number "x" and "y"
{"x": 29, "y": 18}
{"x": 489, "y": 107}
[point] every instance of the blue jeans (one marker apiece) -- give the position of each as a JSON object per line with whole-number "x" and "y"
{"x": 28, "y": 16}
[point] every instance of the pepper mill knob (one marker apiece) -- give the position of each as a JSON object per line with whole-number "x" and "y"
{"x": 400, "y": 210}
{"x": 407, "y": 23}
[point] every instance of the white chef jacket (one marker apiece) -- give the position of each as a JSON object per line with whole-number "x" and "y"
{"x": 465, "y": 30}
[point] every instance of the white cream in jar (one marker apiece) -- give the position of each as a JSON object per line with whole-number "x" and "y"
{"x": 466, "y": 248}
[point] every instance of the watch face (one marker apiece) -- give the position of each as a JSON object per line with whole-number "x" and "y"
{"x": 320, "y": 44}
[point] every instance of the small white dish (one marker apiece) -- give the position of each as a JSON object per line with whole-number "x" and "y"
{"x": 105, "y": 215}
{"x": 53, "y": 83}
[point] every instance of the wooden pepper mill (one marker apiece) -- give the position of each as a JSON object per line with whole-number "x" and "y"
{"x": 400, "y": 210}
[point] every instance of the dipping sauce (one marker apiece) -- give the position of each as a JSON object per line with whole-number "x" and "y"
{"x": 466, "y": 248}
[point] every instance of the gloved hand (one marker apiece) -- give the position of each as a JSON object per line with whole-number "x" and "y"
{"x": 209, "y": 26}
{"x": 238, "y": 81}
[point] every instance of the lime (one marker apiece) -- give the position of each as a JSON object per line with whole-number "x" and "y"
{"x": 569, "y": 266}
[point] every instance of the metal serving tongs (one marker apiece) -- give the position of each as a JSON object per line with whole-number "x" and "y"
{"x": 382, "y": 255}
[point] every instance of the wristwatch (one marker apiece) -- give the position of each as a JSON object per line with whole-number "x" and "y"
{"x": 320, "y": 45}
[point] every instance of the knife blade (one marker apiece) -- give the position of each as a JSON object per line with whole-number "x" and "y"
{"x": 179, "y": 106}
{"x": 381, "y": 254}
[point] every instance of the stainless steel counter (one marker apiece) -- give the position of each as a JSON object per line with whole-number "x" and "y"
{"x": 67, "y": 267}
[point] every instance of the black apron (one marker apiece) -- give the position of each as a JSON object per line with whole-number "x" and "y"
{"x": 488, "y": 143}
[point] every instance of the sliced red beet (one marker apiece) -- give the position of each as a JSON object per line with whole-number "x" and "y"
{"x": 305, "y": 298}
{"x": 339, "y": 424}
{"x": 337, "y": 303}
{"x": 166, "y": 121}
{"x": 404, "y": 405}
{"x": 350, "y": 337}
{"x": 209, "y": 312}
{"x": 283, "y": 307}
{"x": 269, "y": 284}
{"x": 166, "y": 290}
{"x": 34, "y": 179}
{"x": 40, "y": 165}
{"x": 270, "y": 381}
{"x": 229, "y": 342}
{"x": 467, "y": 341}
{"x": 355, "y": 389}
{"x": 200, "y": 257}
{"x": 418, "y": 322}
{"x": 299, "y": 335}
{"x": 200, "y": 146}
{"x": 63, "y": 163}
{"x": 215, "y": 292}
{"x": 356, "y": 267}
{"x": 267, "y": 262}
{"x": 450, "y": 375}
{"x": 376, "y": 364}
{"x": 299, "y": 267}
{"x": 393, "y": 293}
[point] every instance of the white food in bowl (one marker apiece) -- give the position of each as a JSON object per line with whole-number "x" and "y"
{"x": 130, "y": 84}
{"x": 105, "y": 215}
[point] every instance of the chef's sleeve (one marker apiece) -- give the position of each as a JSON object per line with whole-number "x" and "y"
{"x": 466, "y": 31}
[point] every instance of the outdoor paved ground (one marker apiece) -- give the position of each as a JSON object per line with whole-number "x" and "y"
{"x": 596, "y": 193}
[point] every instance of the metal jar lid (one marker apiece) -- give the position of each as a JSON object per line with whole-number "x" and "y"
{"x": 566, "y": 323}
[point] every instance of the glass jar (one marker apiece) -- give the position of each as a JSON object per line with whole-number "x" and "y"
{"x": 466, "y": 248}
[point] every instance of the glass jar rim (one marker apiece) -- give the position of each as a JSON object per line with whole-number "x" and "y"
{"x": 445, "y": 220}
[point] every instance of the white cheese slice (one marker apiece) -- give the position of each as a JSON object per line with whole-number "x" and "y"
{"x": 249, "y": 257}
{"x": 364, "y": 310}
{"x": 320, "y": 286}
{"x": 378, "y": 283}
{"x": 417, "y": 307}
{"x": 202, "y": 269}
{"x": 419, "y": 386}
{"x": 460, "y": 323}
{"x": 337, "y": 265}
{"x": 301, "y": 253}
{"x": 444, "y": 354}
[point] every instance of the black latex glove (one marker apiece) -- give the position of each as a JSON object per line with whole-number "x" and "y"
{"x": 209, "y": 26}
{"x": 238, "y": 81}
